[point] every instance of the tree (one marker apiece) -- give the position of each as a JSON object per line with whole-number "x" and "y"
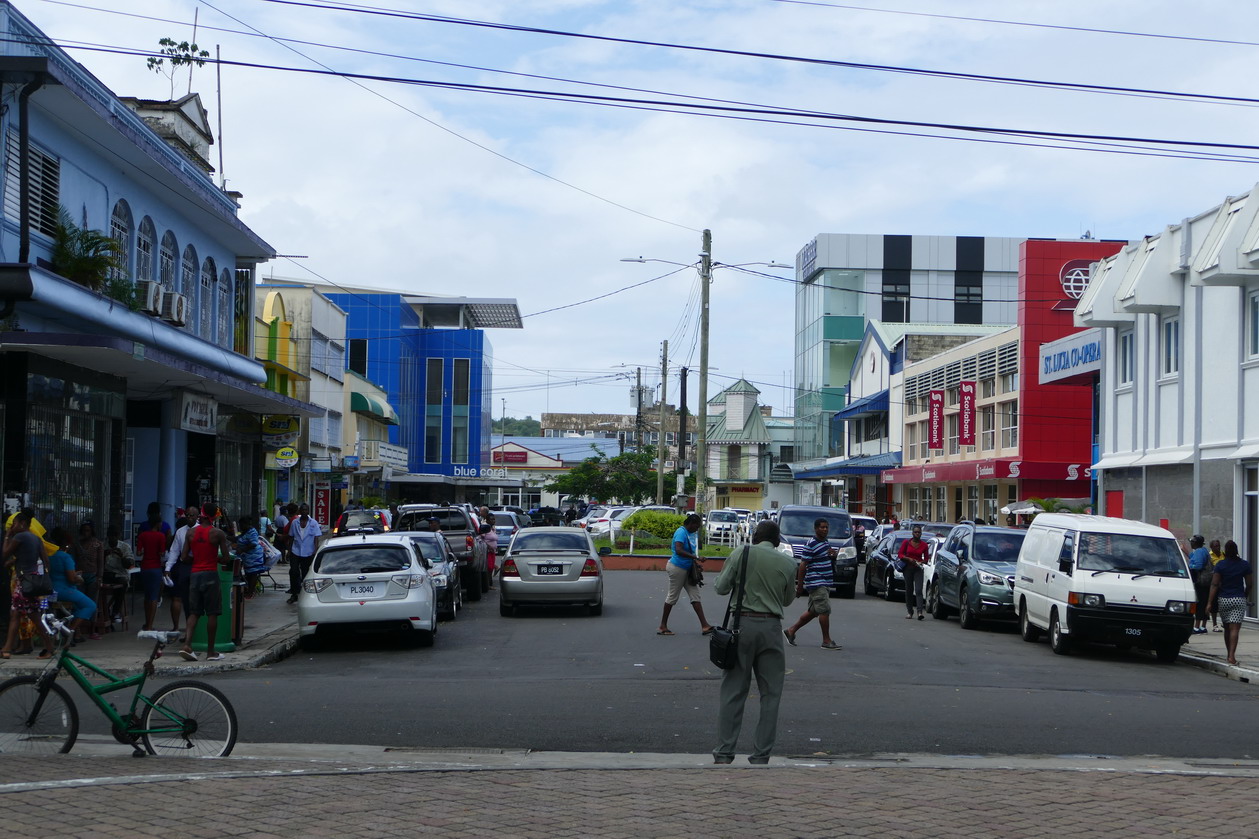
{"x": 176, "y": 55}
{"x": 527, "y": 427}
{"x": 626, "y": 477}
{"x": 86, "y": 256}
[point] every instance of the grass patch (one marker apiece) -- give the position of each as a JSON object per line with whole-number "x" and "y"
{"x": 647, "y": 545}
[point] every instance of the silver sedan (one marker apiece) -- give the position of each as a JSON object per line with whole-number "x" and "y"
{"x": 554, "y": 566}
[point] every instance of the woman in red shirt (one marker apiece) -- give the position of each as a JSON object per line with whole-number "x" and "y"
{"x": 914, "y": 552}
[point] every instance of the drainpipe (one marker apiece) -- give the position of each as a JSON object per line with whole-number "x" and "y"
{"x": 24, "y": 168}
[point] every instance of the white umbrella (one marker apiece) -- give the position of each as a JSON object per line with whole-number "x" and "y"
{"x": 1022, "y": 508}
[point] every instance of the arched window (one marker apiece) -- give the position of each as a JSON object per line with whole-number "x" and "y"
{"x": 188, "y": 284}
{"x": 146, "y": 243}
{"x": 205, "y": 319}
{"x": 120, "y": 226}
{"x": 225, "y": 309}
{"x": 167, "y": 269}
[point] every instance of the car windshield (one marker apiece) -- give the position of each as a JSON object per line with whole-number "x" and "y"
{"x": 362, "y": 518}
{"x": 450, "y": 519}
{"x": 1131, "y": 554}
{"x": 620, "y": 514}
{"x": 575, "y": 541}
{"x": 430, "y": 547}
{"x": 998, "y": 547}
{"x": 801, "y": 524}
{"x": 722, "y": 515}
{"x": 363, "y": 559}
{"x": 941, "y": 530}
{"x": 505, "y": 519}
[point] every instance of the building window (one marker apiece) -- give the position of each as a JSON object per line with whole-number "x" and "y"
{"x": 670, "y": 438}
{"x": 224, "y": 313}
{"x": 358, "y": 357}
{"x": 951, "y": 424}
{"x": 911, "y": 439}
{"x": 895, "y": 302}
{"x": 44, "y": 198}
{"x": 146, "y": 243}
{"x": 1010, "y": 425}
{"x": 1009, "y": 382}
{"x": 205, "y": 317}
{"x": 334, "y": 429}
{"x": 990, "y": 503}
{"x": 988, "y": 388}
{"x": 120, "y": 232}
{"x": 460, "y": 420}
{"x": 913, "y": 502}
{"x": 988, "y": 428}
{"x": 968, "y": 302}
{"x": 911, "y": 406}
{"x": 1169, "y": 346}
{"x": 1252, "y": 343}
{"x": 942, "y": 513}
{"x": 166, "y": 263}
{"x": 923, "y": 441}
{"x": 1127, "y": 357}
{"x": 433, "y": 389}
{"x": 951, "y": 397}
{"x": 188, "y": 284}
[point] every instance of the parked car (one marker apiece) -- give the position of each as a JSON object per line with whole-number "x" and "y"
{"x": 1093, "y": 578}
{"x": 352, "y": 521}
{"x": 862, "y": 528}
{"x": 592, "y": 513}
{"x": 795, "y": 525}
{"x": 974, "y": 574}
{"x": 721, "y": 526}
{"x": 443, "y": 568}
{"x": 459, "y": 526}
{"x": 375, "y": 581}
{"x": 881, "y": 576}
{"x": 554, "y": 566}
{"x": 506, "y": 525}
{"x": 603, "y": 526}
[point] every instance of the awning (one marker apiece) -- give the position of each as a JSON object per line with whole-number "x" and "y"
{"x": 364, "y": 404}
{"x": 1246, "y": 452}
{"x": 1117, "y": 461}
{"x": 1166, "y": 457}
{"x": 864, "y": 407}
{"x": 870, "y": 464}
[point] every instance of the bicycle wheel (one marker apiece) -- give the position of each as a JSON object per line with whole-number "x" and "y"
{"x": 53, "y": 731}
{"x": 189, "y": 719}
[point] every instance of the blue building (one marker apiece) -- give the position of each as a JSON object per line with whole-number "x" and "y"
{"x": 431, "y": 356}
{"x": 132, "y": 379}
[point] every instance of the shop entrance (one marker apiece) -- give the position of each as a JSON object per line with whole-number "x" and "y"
{"x": 200, "y": 487}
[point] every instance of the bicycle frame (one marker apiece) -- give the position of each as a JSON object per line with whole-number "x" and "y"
{"x": 70, "y": 663}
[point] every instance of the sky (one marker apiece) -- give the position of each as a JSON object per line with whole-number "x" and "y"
{"x": 444, "y": 191}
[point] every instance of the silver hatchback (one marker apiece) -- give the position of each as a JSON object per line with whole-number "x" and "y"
{"x": 368, "y": 581}
{"x": 554, "y": 566}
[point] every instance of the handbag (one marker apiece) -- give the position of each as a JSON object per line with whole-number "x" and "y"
{"x": 1205, "y": 574}
{"x": 695, "y": 574}
{"x": 723, "y": 644}
{"x": 899, "y": 564}
{"x": 35, "y": 585}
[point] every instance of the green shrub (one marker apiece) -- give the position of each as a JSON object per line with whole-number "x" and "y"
{"x": 663, "y": 525}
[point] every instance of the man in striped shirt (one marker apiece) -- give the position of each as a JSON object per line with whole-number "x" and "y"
{"x": 814, "y": 576}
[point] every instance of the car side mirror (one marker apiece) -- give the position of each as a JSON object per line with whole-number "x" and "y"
{"x": 605, "y": 551}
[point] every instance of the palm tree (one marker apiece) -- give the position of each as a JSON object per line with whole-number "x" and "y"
{"x": 83, "y": 255}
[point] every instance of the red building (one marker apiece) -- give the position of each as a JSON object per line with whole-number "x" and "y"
{"x": 1031, "y": 439}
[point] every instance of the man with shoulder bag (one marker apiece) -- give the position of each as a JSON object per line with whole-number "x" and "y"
{"x": 761, "y": 582}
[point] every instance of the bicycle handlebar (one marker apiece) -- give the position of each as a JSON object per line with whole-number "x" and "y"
{"x": 52, "y": 625}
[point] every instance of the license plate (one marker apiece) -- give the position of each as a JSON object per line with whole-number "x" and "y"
{"x": 544, "y": 570}
{"x": 362, "y": 591}
{"x": 1132, "y": 632}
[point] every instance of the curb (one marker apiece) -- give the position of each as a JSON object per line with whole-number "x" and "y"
{"x": 1213, "y": 665}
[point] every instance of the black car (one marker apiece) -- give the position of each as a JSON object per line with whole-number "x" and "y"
{"x": 862, "y": 528}
{"x": 443, "y": 567}
{"x": 795, "y": 524}
{"x": 974, "y": 574}
{"x": 881, "y": 577}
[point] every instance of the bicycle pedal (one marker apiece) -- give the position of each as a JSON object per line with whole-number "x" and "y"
{"x": 139, "y": 753}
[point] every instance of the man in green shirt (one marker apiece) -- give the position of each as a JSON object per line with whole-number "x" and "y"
{"x": 769, "y": 588}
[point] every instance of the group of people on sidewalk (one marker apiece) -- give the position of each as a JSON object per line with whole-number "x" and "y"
{"x": 1222, "y": 581}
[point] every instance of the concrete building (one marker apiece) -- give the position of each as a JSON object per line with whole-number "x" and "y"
{"x": 846, "y": 280}
{"x": 1178, "y": 317}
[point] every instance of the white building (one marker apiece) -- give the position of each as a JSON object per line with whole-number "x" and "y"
{"x": 1178, "y": 434}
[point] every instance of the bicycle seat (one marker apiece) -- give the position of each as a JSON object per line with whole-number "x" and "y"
{"x": 160, "y": 636}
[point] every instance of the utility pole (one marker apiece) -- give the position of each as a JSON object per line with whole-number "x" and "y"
{"x": 638, "y": 412}
{"x": 682, "y": 419}
{"x": 664, "y": 392}
{"x": 701, "y": 442}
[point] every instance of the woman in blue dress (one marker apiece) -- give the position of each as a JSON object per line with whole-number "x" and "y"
{"x": 249, "y": 552}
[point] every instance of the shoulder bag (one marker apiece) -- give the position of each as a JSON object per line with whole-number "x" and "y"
{"x": 695, "y": 574}
{"x": 1205, "y": 573}
{"x": 35, "y": 585}
{"x": 723, "y": 644}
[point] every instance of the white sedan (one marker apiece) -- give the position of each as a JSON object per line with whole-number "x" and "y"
{"x": 374, "y": 581}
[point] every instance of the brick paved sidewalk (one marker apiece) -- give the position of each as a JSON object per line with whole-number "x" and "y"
{"x": 172, "y": 798}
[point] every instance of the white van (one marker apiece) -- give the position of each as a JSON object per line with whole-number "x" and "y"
{"x": 1093, "y": 578}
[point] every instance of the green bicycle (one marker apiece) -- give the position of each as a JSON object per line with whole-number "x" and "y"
{"x": 184, "y": 718}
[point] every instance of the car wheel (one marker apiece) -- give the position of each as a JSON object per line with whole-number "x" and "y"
{"x": 934, "y": 606}
{"x": 485, "y": 581}
{"x": 889, "y": 586}
{"x": 1167, "y": 653}
{"x": 596, "y": 610}
{"x": 848, "y": 592}
{"x": 868, "y": 586}
{"x": 473, "y": 580}
{"x": 505, "y": 610}
{"x": 1058, "y": 642}
{"x": 1029, "y": 631}
{"x": 966, "y": 617}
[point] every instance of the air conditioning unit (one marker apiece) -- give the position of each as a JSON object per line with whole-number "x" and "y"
{"x": 150, "y": 296}
{"x": 175, "y": 309}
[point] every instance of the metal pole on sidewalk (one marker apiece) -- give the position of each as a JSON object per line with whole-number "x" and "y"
{"x": 664, "y": 392}
{"x": 701, "y": 443}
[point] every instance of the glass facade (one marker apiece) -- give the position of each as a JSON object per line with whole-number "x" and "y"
{"x": 433, "y": 376}
{"x": 830, "y": 321}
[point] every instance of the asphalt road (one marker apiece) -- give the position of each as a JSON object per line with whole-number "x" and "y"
{"x": 555, "y": 679}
